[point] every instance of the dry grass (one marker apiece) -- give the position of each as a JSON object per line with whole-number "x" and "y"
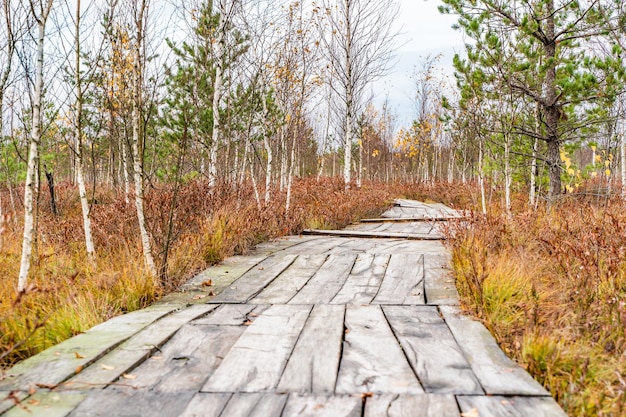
{"x": 551, "y": 286}
{"x": 67, "y": 295}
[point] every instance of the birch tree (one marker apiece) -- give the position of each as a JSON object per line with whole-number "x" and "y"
{"x": 140, "y": 14}
{"x": 78, "y": 133}
{"x": 359, "y": 44}
{"x": 40, "y": 12}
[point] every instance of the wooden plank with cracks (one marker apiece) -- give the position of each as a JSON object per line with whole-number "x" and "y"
{"x": 372, "y": 359}
{"x": 487, "y": 406}
{"x": 287, "y": 285}
{"x": 135, "y": 350}
{"x": 432, "y": 351}
{"x": 322, "y": 406}
{"x": 257, "y": 360}
{"x": 60, "y": 362}
{"x": 327, "y": 282}
{"x": 403, "y": 281}
{"x": 497, "y": 374}
{"x": 421, "y": 405}
{"x": 253, "y": 281}
{"x": 364, "y": 280}
{"x": 374, "y": 235}
{"x": 313, "y": 365}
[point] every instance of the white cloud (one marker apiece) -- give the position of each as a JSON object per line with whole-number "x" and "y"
{"x": 424, "y": 31}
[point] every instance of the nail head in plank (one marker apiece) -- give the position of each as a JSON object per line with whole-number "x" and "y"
{"x": 254, "y": 280}
{"x": 432, "y": 351}
{"x": 496, "y": 372}
{"x": 421, "y": 405}
{"x": 403, "y": 281}
{"x": 256, "y": 361}
{"x": 327, "y": 282}
{"x": 313, "y": 365}
{"x": 510, "y": 406}
{"x": 320, "y": 406}
{"x": 372, "y": 359}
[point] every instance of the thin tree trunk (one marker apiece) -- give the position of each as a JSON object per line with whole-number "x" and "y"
{"x": 80, "y": 170}
{"x": 137, "y": 133}
{"x": 33, "y": 154}
{"x": 481, "y": 177}
{"x": 507, "y": 175}
{"x": 217, "y": 95}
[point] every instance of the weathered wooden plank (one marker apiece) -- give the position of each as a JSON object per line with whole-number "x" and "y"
{"x": 403, "y": 281}
{"x": 415, "y": 247}
{"x": 256, "y": 361}
{"x": 484, "y": 406}
{"x": 327, "y": 282}
{"x": 232, "y": 315}
{"x": 224, "y": 274}
{"x": 281, "y": 244}
{"x": 206, "y": 405}
{"x": 439, "y": 284}
{"x": 287, "y": 285}
{"x": 418, "y": 228}
{"x": 364, "y": 280}
{"x": 364, "y": 226}
{"x": 60, "y": 362}
{"x": 431, "y": 350}
{"x": 47, "y": 403}
{"x": 355, "y": 246}
{"x": 253, "y": 281}
{"x": 135, "y": 350}
{"x": 498, "y": 374}
{"x": 316, "y": 245}
{"x": 254, "y": 405}
{"x": 313, "y": 365}
{"x": 373, "y": 234}
{"x": 320, "y": 406}
{"x": 403, "y": 202}
{"x": 187, "y": 360}
{"x": 132, "y": 403}
{"x": 9, "y": 399}
{"x": 421, "y": 405}
{"x": 407, "y": 219}
{"x": 372, "y": 359}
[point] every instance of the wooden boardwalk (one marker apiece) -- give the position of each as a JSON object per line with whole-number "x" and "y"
{"x": 364, "y": 323}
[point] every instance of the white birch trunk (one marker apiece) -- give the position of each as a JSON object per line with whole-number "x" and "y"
{"x": 125, "y": 169}
{"x": 291, "y": 169}
{"x": 268, "y": 172}
{"x": 507, "y": 175}
{"x": 33, "y": 155}
{"x": 80, "y": 170}
{"x": 137, "y": 160}
{"x": 481, "y": 178}
{"x": 218, "y": 53}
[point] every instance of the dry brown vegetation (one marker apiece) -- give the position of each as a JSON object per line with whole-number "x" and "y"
{"x": 68, "y": 295}
{"x": 551, "y": 286}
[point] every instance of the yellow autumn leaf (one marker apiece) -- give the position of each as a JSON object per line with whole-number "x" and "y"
{"x": 570, "y": 171}
{"x": 607, "y": 172}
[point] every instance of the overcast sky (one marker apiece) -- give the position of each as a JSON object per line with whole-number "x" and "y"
{"x": 424, "y": 31}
